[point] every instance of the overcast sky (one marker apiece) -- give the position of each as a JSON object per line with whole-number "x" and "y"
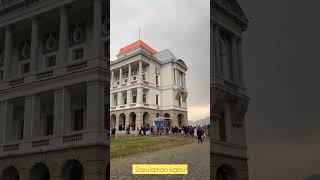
{"x": 282, "y": 61}
{"x": 179, "y": 25}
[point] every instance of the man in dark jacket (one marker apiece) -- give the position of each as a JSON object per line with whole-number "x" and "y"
{"x": 199, "y": 134}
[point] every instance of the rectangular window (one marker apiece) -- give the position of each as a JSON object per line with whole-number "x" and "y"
{"x": 1, "y": 75}
{"x": 49, "y": 128}
{"x": 115, "y": 100}
{"x": 51, "y": 60}
{"x": 157, "y": 80}
{"x": 20, "y": 129}
{"x": 78, "y": 119}
{"x": 157, "y": 99}
{"x": 144, "y": 98}
{"x": 134, "y": 98}
{"x": 77, "y": 54}
{"x": 25, "y": 68}
{"x": 125, "y": 100}
{"x": 144, "y": 77}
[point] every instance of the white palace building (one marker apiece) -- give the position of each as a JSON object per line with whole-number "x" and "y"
{"x": 146, "y": 84}
{"x": 54, "y": 85}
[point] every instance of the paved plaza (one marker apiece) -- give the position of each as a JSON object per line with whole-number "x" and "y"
{"x": 197, "y": 156}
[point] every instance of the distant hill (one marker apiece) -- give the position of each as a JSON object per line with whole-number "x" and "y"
{"x": 313, "y": 177}
{"x": 200, "y": 122}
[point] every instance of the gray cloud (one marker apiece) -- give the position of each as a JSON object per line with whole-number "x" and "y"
{"x": 179, "y": 25}
{"x": 282, "y": 74}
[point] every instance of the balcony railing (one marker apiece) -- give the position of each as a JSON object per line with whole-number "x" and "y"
{"x": 47, "y": 143}
{"x": 71, "y": 67}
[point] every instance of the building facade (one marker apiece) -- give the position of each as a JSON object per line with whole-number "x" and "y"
{"x": 54, "y": 85}
{"x": 229, "y": 99}
{"x": 146, "y": 84}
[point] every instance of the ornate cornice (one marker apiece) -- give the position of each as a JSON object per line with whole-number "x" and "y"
{"x": 232, "y": 9}
{"x": 13, "y": 5}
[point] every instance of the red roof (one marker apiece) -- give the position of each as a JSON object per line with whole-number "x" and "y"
{"x": 135, "y": 45}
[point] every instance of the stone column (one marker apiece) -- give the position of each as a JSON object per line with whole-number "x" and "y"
{"x": 139, "y": 120}
{"x": 172, "y": 76}
{"x": 34, "y": 44}
{"x": 63, "y": 36}
{"x": 66, "y": 111}
{"x": 117, "y": 122}
{"x": 120, "y": 98}
{"x": 184, "y": 80}
{"x": 97, "y": 28}
{"x": 140, "y": 71}
{"x": 149, "y": 73}
{"x": 177, "y": 79}
{"x": 139, "y": 95}
{"x": 213, "y": 60}
{"x": 111, "y": 100}
{"x": 235, "y": 60}
{"x": 31, "y": 117}
{"x": 127, "y": 120}
{"x": 8, "y": 52}
{"x": 58, "y": 99}
{"x": 129, "y": 75}
{"x": 120, "y": 76}
{"x": 129, "y": 96}
{"x": 95, "y": 105}
{"x": 175, "y": 76}
{"x": 228, "y": 121}
{"x": 2, "y": 119}
{"x": 7, "y": 124}
{"x": 240, "y": 61}
{"x": 217, "y": 50}
{"x": 112, "y": 76}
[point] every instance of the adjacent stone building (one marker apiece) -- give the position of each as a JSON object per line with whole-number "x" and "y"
{"x": 229, "y": 100}
{"x": 54, "y": 86}
{"x": 146, "y": 84}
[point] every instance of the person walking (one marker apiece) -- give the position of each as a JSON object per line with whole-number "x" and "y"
{"x": 195, "y": 132}
{"x": 199, "y": 134}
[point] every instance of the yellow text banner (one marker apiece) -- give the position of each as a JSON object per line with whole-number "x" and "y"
{"x": 159, "y": 168}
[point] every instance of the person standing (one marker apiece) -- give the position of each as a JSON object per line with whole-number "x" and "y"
{"x": 199, "y": 134}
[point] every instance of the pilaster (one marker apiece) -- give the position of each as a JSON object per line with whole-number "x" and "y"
{"x": 140, "y": 71}
{"x": 120, "y": 102}
{"x": 120, "y": 76}
{"x": 34, "y": 44}
{"x": 112, "y": 76}
{"x": 129, "y": 73}
{"x": 97, "y": 28}
{"x": 2, "y": 119}
{"x": 129, "y": 96}
{"x": 8, "y": 51}
{"x": 235, "y": 60}
{"x": 66, "y": 111}
{"x": 139, "y": 95}
{"x": 58, "y": 104}
{"x": 63, "y": 39}
{"x": 228, "y": 120}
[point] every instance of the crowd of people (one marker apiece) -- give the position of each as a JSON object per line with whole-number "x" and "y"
{"x": 199, "y": 132}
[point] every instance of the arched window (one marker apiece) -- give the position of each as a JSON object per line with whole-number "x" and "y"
{"x": 226, "y": 172}
{"x": 10, "y": 173}
{"x": 40, "y": 171}
{"x": 72, "y": 170}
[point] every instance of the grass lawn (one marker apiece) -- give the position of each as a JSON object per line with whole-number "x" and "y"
{"x": 131, "y": 145}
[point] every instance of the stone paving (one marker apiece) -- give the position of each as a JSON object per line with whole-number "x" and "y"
{"x": 197, "y": 156}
